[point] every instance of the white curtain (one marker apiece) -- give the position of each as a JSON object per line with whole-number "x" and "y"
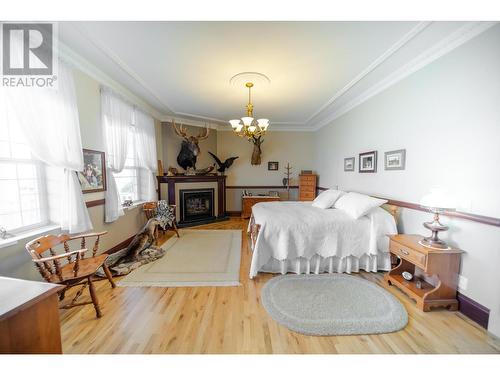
{"x": 48, "y": 117}
{"x": 116, "y": 119}
{"x": 146, "y": 154}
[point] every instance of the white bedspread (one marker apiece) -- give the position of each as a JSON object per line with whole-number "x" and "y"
{"x": 297, "y": 230}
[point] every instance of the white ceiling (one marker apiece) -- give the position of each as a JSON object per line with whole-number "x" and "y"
{"x": 318, "y": 70}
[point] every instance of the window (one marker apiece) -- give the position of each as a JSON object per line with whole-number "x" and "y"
{"x": 127, "y": 180}
{"x": 23, "y": 198}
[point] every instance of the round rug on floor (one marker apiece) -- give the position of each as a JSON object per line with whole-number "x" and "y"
{"x": 332, "y": 304}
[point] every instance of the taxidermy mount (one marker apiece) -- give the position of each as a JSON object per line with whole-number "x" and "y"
{"x": 189, "y": 148}
{"x": 227, "y": 163}
{"x": 142, "y": 241}
{"x": 257, "y": 152}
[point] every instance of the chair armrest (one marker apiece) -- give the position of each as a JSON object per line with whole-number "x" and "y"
{"x": 59, "y": 256}
{"x": 95, "y": 234}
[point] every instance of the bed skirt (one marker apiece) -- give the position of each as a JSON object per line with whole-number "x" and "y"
{"x": 333, "y": 264}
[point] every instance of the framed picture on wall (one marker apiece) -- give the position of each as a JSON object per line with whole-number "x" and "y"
{"x": 93, "y": 177}
{"x": 395, "y": 160}
{"x": 272, "y": 165}
{"x": 349, "y": 164}
{"x": 368, "y": 162}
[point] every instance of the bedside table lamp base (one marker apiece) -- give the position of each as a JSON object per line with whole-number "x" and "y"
{"x": 435, "y": 227}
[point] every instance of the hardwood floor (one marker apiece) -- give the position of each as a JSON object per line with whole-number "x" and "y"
{"x": 232, "y": 320}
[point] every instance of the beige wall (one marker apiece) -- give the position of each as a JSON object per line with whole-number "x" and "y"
{"x": 14, "y": 260}
{"x": 296, "y": 148}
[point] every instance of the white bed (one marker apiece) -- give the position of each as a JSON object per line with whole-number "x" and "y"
{"x": 297, "y": 237}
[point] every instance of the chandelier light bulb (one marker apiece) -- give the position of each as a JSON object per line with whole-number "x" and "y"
{"x": 252, "y": 128}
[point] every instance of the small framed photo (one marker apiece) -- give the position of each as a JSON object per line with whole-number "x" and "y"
{"x": 272, "y": 165}
{"x": 395, "y": 160}
{"x": 368, "y": 162}
{"x": 349, "y": 164}
{"x": 93, "y": 177}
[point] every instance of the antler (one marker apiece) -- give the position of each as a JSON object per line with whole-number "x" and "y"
{"x": 204, "y": 133}
{"x": 180, "y": 132}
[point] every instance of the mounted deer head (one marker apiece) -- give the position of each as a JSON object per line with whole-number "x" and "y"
{"x": 189, "y": 148}
{"x": 257, "y": 141}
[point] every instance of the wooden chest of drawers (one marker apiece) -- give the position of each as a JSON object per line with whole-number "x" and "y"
{"x": 248, "y": 201}
{"x": 307, "y": 187}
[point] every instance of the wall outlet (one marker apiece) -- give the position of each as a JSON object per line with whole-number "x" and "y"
{"x": 462, "y": 283}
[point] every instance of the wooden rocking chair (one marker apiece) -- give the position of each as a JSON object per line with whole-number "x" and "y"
{"x": 70, "y": 268}
{"x": 151, "y": 210}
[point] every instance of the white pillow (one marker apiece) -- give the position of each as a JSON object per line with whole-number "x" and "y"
{"x": 327, "y": 198}
{"x": 357, "y": 205}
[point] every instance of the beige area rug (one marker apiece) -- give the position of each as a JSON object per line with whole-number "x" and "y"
{"x": 197, "y": 258}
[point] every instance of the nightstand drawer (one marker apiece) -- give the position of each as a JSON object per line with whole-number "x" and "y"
{"x": 307, "y": 196}
{"x": 408, "y": 254}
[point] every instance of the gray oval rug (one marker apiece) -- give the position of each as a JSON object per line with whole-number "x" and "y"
{"x": 332, "y": 304}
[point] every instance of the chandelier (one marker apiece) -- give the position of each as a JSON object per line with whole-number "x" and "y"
{"x": 248, "y": 127}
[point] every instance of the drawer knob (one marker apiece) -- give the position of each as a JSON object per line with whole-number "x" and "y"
{"x": 404, "y": 252}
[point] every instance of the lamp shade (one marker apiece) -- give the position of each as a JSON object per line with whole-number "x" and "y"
{"x": 438, "y": 199}
{"x": 234, "y": 123}
{"x": 263, "y": 123}
{"x": 247, "y": 120}
{"x": 252, "y": 128}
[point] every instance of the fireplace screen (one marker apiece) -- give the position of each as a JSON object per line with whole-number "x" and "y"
{"x": 197, "y": 205}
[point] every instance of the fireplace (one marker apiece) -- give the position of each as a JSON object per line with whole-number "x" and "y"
{"x": 196, "y": 206}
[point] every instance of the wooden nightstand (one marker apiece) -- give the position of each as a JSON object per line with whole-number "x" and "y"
{"x": 440, "y": 266}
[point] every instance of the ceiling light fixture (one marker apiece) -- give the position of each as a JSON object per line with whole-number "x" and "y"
{"x": 248, "y": 127}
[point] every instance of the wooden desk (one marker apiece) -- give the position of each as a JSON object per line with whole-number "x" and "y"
{"x": 439, "y": 265}
{"x": 29, "y": 317}
{"x": 247, "y": 203}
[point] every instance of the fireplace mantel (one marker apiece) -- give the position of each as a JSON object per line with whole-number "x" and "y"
{"x": 171, "y": 181}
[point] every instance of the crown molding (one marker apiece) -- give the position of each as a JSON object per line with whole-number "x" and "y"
{"x": 123, "y": 66}
{"x": 378, "y": 61}
{"x": 80, "y": 63}
{"x": 448, "y": 44}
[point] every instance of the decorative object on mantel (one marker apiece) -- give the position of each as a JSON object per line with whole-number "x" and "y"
{"x": 189, "y": 149}
{"x": 395, "y": 160}
{"x": 272, "y": 165}
{"x": 287, "y": 180}
{"x": 199, "y": 172}
{"x": 223, "y": 166}
{"x": 368, "y": 162}
{"x": 93, "y": 177}
{"x": 349, "y": 164}
{"x": 160, "y": 168}
{"x": 171, "y": 172}
{"x": 436, "y": 201}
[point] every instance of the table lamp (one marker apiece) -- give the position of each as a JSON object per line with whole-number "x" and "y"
{"x": 436, "y": 201}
